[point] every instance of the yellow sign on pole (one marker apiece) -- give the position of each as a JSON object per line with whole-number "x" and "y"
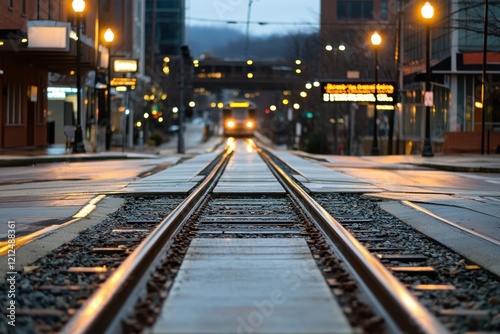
{"x": 125, "y": 65}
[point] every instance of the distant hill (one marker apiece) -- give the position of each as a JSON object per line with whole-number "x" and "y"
{"x": 231, "y": 43}
{"x": 209, "y": 39}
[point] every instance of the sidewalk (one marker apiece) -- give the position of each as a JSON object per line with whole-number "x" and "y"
{"x": 57, "y": 153}
{"x": 475, "y": 163}
{"x": 472, "y": 163}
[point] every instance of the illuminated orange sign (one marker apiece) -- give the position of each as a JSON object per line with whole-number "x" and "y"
{"x": 123, "y": 82}
{"x": 210, "y": 75}
{"x": 358, "y": 92}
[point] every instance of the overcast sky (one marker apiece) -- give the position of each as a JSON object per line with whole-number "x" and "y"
{"x": 266, "y": 16}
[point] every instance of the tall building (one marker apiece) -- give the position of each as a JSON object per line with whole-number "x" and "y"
{"x": 349, "y": 24}
{"x": 165, "y": 30}
{"x": 348, "y": 55}
{"x": 165, "y": 34}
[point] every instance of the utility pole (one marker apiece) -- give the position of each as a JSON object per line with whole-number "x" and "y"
{"x": 399, "y": 81}
{"x": 185, "y": 61}
{"x": 483, "y": 76}
{"x": 247, "y": 41}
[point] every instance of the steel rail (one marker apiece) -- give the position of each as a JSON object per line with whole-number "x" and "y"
{"x": 103, "y": 311}
{"x": 401, "y": 310}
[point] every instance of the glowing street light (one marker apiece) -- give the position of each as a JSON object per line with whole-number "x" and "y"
{"x": 427, "y": 12}
{"x": 109, "y": 37}
{"x": 78, "y": 6}
{"x": 78, "y": 147}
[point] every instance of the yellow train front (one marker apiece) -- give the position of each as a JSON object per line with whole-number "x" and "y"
{"x": 239, "y": 118}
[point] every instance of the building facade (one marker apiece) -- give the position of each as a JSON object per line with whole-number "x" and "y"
{"x": 165, "y": 30}
{"x": 38, "y": 66}
{"x": 164, "y": 35}
{"x": 37, "y": 46}
{"x": 457, "y": 36}
{"x": 457, "y": 119}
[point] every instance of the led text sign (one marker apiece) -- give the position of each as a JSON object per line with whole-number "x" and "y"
{"x": 123, "y": 82}
{"x": 358, "y": 92}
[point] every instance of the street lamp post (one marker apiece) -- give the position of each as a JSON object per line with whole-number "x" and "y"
{"x": 109, "y": 37}
{"x": 427, "y": 12}
{"x": 78, "y": 147}
{"x": 376, "y": 39}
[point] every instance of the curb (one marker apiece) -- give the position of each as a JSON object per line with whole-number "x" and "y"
{"x": 27, "y": 161}
{"x": 464, "y": 169}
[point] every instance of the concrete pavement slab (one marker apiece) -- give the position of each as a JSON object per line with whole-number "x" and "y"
{"x": 480, "y": 251}
{"x": 232, "y": 297}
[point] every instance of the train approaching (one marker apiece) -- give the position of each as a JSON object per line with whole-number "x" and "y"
{"x": 239, "y": 118}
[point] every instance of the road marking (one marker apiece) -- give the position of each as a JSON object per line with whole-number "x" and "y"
{"x": 479, "y": 235}
{"x": 26, "y": 239}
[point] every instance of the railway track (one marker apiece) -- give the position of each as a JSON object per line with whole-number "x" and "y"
{"x": 244, "y": 218}
{"x": 231, "y": 258}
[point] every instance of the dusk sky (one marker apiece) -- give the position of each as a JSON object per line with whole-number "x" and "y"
{"x": 267, "y": 16}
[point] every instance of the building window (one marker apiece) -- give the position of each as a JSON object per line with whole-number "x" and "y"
{"x": 354, "y": 9}
{"x": 383, "y": 10}
{"x": 14, "y": 103}
{"x": 11, "y": 4}
{"x": 50, "y": 10}
{"x": 23, "y": 7}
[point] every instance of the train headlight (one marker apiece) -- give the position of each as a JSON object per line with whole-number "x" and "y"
{"x": 230, "y": 124}
{"x": 249, "y": 124}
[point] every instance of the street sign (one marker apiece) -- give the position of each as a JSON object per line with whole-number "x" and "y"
{"x": 428, "y": 99}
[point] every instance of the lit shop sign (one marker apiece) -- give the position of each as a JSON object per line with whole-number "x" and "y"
{"x": 125, "y": 65}
{"x": 48, "y": 35}
{"x": 358, "y": 92}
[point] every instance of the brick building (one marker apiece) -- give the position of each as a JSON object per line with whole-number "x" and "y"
{"x": 25, "y": 64}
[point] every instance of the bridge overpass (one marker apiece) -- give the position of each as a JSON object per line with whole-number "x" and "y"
{"x": 263, "y": 75}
